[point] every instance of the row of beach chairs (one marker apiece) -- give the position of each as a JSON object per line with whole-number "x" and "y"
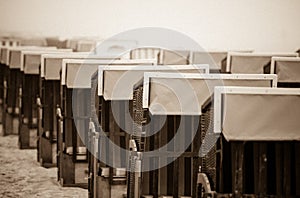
{"x": 157, "y": 123}
{"x": 212, "y": 162}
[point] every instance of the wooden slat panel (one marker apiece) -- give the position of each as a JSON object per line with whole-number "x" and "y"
{"x": 297, "y": 167}
{"x": 287, "y": 169}
{"x": 163, "y": 171}
{"x": 260, "y": 168}
{"x": 237, "y": 167}
{"x": 278, "y": 165}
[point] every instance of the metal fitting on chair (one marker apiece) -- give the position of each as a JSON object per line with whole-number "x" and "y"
{"x": 58, "y": 113}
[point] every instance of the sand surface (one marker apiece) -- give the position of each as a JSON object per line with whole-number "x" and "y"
{"x": 22, "y": 176}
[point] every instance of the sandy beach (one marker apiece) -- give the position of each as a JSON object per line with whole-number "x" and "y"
{"x": 22, "y": 176}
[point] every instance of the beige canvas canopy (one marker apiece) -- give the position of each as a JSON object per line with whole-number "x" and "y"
{"x": 4, "y": 55}
{"x": 287, "y": 69}
{"x": 51, "y": 64}
{"x": 31, "y": 60}
{"x": 177, "y": 94}
{"x": 77, "y": 73}
{"x": 14, "y": 54}
{"x": 116, "y": 83}
{"x": 213, "y": 58}
{"x": 216, "y": 58}
{"x": 251, "y": 63}
{"x": 178, "y": 57}
{"x": 257, "y": 114}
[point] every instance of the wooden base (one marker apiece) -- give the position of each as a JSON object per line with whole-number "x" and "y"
{"x": 1, "y": 130}
{"x": 47, "y": 152}
{"x": 78, "y": 185}
{"x": 105, "y": 190}
{"x": 1, "y": 113}
{"x": 72, "y": 174}
{"x": 10, "y": 124}
{"x": 27, "y": 137}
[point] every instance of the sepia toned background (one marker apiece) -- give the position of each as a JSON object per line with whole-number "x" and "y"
{"x": 214, "y": 24}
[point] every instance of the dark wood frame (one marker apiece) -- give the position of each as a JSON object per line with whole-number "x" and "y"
{"x": 28, "y": 110}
